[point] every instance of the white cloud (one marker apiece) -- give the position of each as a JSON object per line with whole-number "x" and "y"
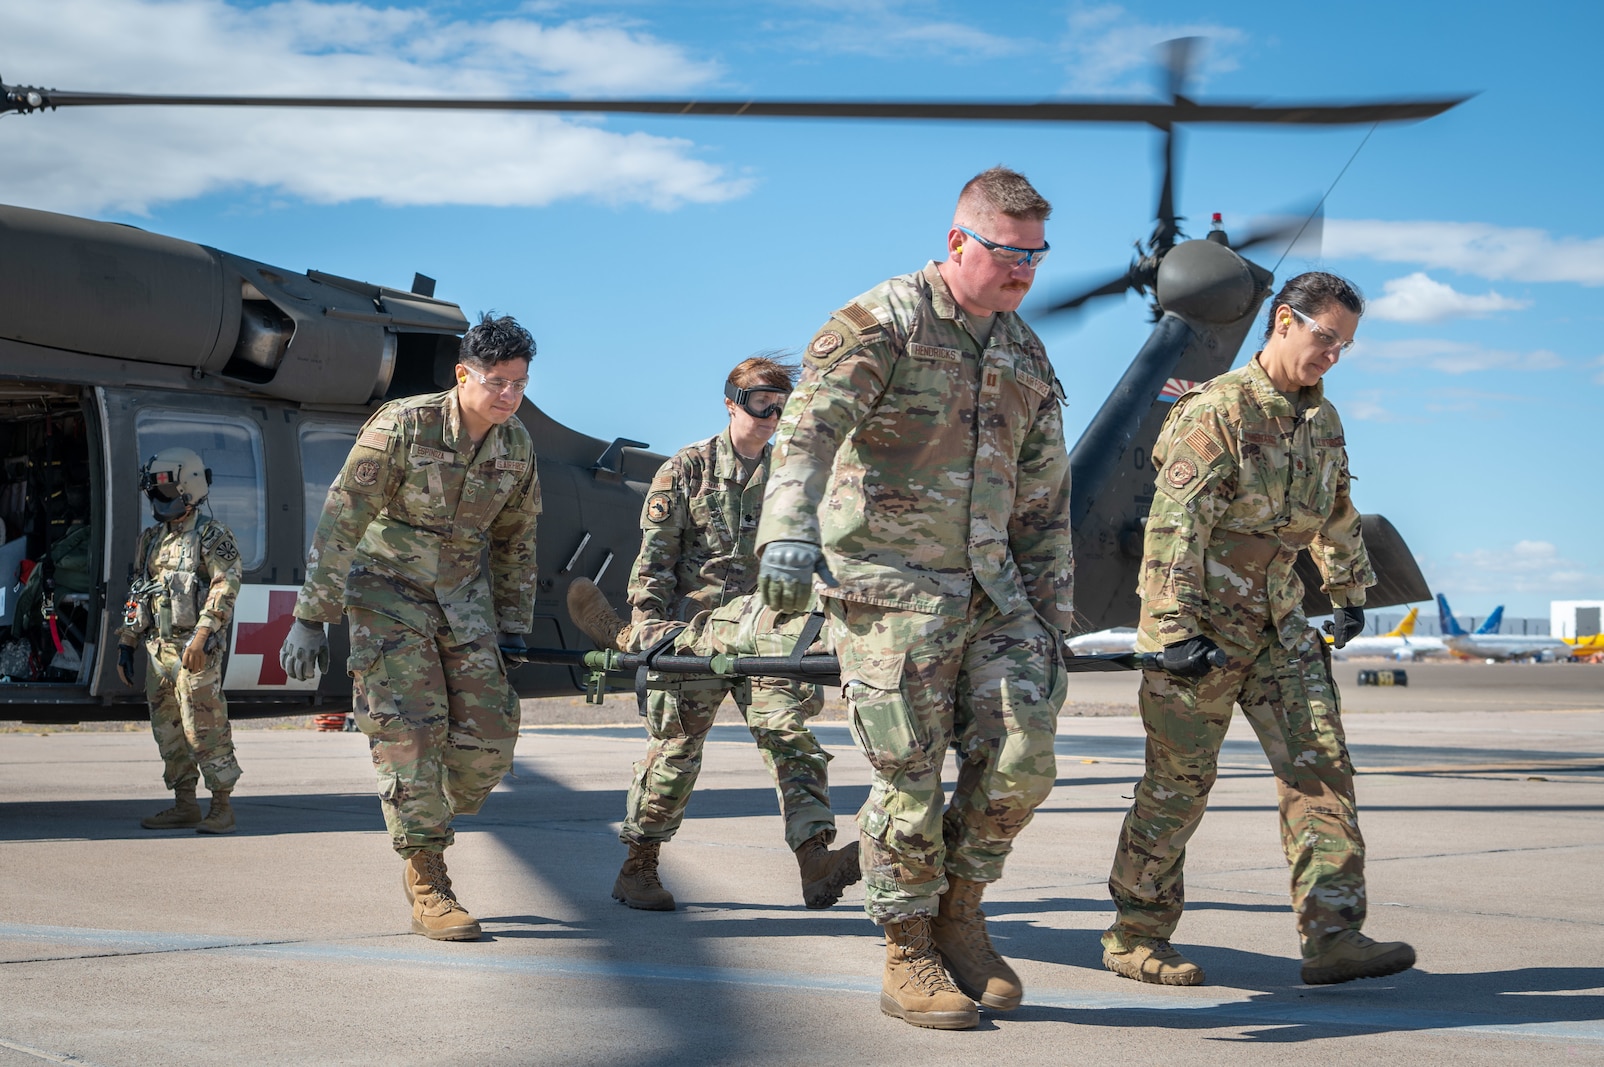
{"x": 1528, "y": 567}
{"x": 127, "y": 159}
{"x": 1367, "y": 406}
{"x": 1476, "y": 248}
{"x": 1109, "y": 50}
{"x": 1418, "y": 297}
{"x": 890, "y": 27}
{"x": 1455, "y": 357}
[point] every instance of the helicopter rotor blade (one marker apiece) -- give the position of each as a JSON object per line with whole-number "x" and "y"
{"x": 1178, "y": 60}
{"x": 1166, "y": 228}
{"x": 1299, "y": 229}
{"x": 23, "y": 99}
{"x": 1112, "y": 287}
{"x": 1177, "y": 57}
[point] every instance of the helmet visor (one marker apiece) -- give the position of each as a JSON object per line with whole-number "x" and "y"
{"x": 160, "y": 484}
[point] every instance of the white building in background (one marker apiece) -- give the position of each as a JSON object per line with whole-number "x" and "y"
{"x": 1575, "y": 618}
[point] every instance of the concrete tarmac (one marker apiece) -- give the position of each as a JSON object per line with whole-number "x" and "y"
{"x": 1480, "y": 793}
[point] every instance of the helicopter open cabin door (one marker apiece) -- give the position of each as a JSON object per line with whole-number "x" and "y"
{"x": 50, "y": 529}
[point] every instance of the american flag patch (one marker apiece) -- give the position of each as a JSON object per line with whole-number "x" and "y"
{"x": 1204, "y": 445}
{"x": 1174, "y": 388}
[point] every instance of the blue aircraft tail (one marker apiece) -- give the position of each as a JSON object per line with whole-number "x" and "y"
{"x": 1494, "y": 620}
{"x": 1445, "y": 615}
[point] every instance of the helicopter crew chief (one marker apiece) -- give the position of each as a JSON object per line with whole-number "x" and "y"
{"x": 920, "y": 471}
{"x": 431, "y": 482}
{"x": 1252, "y": 468}
{"x": 186, "y": 575}
{"x": 698, "y": 552}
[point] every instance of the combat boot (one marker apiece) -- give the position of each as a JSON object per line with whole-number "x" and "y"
{"x": 219, "y": 817}
{"x": 959, "y": 932}
{"x": 436, "y": 914}
{"x": 1352, "y": 955}
{"x": 638, "y": 885}
{"x": 1152, "y": 959}
{"x": 915, "y": 987}
{"x": 589, "y": 609}
{"x": 181, "y": 816}
{"x": 824, "y": 873}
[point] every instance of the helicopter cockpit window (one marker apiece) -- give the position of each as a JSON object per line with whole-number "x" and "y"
{"x": 324, "y": 448}
{"x": 232, "y": 448}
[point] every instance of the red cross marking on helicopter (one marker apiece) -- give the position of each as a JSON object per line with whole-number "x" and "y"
{"x": 265, "y": 638}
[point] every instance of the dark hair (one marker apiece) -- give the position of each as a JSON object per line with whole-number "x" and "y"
{"x": 1312, "y": 293}
{"x": 1005, "y": 192}
{"x": 495, "y": 341}
{"x": 765, "y": 369}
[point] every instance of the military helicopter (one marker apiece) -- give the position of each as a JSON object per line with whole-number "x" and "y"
{"x": 116, "y": 342}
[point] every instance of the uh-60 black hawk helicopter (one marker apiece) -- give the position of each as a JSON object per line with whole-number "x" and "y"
{"x": 116, "y": 342}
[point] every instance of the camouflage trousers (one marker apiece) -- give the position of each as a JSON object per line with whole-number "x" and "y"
{"x": 189, "y": 717}
{"x": 679, "y": 717}
{"x": 989, "y": 684}
{"x": 441, "y": 721}
{"x": 1291, "y": 701}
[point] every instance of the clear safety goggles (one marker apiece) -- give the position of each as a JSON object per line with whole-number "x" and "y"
{"x": 762, "y": 402}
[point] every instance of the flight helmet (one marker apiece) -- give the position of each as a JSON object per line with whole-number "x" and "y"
{"x": 175, "y": 481}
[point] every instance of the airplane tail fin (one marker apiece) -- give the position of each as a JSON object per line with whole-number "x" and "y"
{"x": 1406, "y": 627}
{"x": 1494, "y": 620}
{"x": 1445, "y": 615}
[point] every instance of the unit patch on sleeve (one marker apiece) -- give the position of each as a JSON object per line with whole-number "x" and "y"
{"x": 225, "y": 550}
{"x": 366, "y": 472}
{"x": 659, "y": 506}
{"x": 1180, "y": 473}
{"x": 825, "y": 343}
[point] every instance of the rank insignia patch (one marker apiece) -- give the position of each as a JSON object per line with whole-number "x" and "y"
{"x": 366, "y": 472}
{"x": 659, "y": 506}
{"x": 1180, "y": 473}
{"x": 826, "y": 342}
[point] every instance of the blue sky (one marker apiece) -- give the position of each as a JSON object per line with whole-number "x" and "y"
{"x": 650, "y": 255}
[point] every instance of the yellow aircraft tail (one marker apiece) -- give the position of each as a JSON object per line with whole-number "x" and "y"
{"x": 1406, "y": 628}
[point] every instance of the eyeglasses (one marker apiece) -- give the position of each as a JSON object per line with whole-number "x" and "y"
{"x": 501, "y": 385}
{"x": 769, "y": 402}
{"x": 1014, "y": 257}
{"x": 1324, "y": 337}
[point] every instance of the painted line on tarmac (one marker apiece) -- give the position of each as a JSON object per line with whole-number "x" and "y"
{"x": 1190, "y": 1008}
{"x": 47, "y": 1056}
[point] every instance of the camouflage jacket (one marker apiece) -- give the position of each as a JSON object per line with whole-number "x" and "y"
{"x": 698, "y": 533}
{"x": 187, "y": 576}
{"x": 409, "y": 515}
{"x": 1244, "y": 483}
{"x": 924, "y": 464}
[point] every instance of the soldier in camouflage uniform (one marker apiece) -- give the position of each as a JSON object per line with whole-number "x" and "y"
{"x": 430, "y": 484}
{"x": 180, "y": 601}
{"x": 1252, "y": 469}
{"x": 923, "y": 453}
{"x": 698, "y": 526}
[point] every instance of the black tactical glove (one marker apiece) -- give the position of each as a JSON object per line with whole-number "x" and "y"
{"x": 125, "y": 664}
{"x": 1191, "y": 658}
{"x": 1346, "y": 624}
{"x": 512, "y": 647}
